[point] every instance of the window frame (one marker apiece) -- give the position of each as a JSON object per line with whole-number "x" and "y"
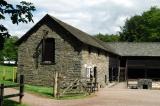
{"x": 43, "y": 60}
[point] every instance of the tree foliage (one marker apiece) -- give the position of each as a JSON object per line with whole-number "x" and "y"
{"x": 142, "y": 28}
{"x": 20, "y": 13}
{"x": 10, "y": 49}
{"x": 107, "y": 37}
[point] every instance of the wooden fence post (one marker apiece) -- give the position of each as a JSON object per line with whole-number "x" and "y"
{"x": 21, "y": 91}
{"x": 55, "y": 83}
{"x": 14, "y": 74}
{"x": 1, "y": 94}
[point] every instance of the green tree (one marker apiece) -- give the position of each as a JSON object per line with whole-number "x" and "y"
{"x": 10, "y": 49}
{"x": 20, "y": 13}
{"x": 142, "y": 28}
{"x": 107, "y": 37}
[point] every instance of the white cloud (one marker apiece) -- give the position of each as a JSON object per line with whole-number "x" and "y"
{"x": 94, "y": 2}
{"x": 121, "y": 20}
{"x": 127, "y": 3}
{"x": 92, "y": 16}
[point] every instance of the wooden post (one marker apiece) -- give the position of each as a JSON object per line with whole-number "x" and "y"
{"x": 119, "y": 70}
{"x": 126, "y": 72}
{"x": 112, "y": 74}
{"x": 1, "y": 94}
{"x": 55, "y": 83}
{"x": 21, "y": 91}
{"x": 13, "y": 76}
{"x": 58, "y": 86}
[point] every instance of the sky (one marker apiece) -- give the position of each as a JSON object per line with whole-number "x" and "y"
{"x": 91, "y": 16}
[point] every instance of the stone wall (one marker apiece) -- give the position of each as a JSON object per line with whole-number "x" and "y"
{"x": 145, "y": 84}
{"x": 67, "y": 57}
{"x": 71, "y": 58}
{"x": 97, "y": 59}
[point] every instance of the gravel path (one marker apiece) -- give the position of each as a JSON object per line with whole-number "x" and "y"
{"x": 105, "y": 97}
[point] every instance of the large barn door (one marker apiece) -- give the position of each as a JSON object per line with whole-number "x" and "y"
{"x": 113, "y": 69}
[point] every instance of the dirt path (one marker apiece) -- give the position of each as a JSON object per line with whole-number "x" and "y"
{"x": 121, "y": 85}
{"x": 105, "y": 97}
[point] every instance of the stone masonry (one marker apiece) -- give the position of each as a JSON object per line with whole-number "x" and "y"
{"x": 101, "y": 61}
{"x": 72, "y": 55}
{"x": 69, "y": 59}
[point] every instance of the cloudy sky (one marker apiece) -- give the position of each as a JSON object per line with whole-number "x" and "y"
{"x": 91, "y": 16}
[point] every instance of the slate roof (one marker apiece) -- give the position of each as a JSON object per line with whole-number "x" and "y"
{"x": 135, "y": 48}
{"x": 80, "y": 35}
{"x": 83, "y": 36}
{"x": 118, "y": 48}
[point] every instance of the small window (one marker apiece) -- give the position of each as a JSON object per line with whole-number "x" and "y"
{"x": 48, "y": 51}
{"x": 89, "y": 72}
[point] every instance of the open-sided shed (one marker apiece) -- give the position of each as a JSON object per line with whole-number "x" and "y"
{"x": 138, "y": 60}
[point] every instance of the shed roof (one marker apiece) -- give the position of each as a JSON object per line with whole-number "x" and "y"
{"x": 135, "y": 48}
{"x": 83, "y": 36}
{"x": 118, "y": 48}
{"x": 80, "y": 35}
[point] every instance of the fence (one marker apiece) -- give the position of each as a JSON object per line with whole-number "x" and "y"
{"x": 77, "y": 86}
{"x": 8, "y": 73}
{"x": 20, "y": 94}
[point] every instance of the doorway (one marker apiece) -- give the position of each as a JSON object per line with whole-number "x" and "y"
{"x": 113, "y": 74}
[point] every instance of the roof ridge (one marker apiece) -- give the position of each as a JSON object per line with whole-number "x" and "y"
{"x": 83, "y": 34}
{"x": 80, "y": 35}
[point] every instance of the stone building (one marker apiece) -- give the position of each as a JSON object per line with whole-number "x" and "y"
{"x": 52, "y": 45}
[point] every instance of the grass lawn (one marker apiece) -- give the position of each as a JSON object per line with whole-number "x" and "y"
{"x": 47, "y": 91}
{"x": 6, "y": 82}
{"x": 7, "y": 72}
{"x": 12, "y": 103}
{"x": 38, "y": 90}
{"x": 70, "y": 96}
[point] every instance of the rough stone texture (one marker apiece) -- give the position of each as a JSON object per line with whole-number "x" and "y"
{"x": 93, "y": 59}
{"x": 145, "y": 82}
{"x": 67, "y": 58}
{"x": 70, "y": 58}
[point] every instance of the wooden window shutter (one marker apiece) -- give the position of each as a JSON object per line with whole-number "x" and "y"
{"x": 48, "y": 50}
